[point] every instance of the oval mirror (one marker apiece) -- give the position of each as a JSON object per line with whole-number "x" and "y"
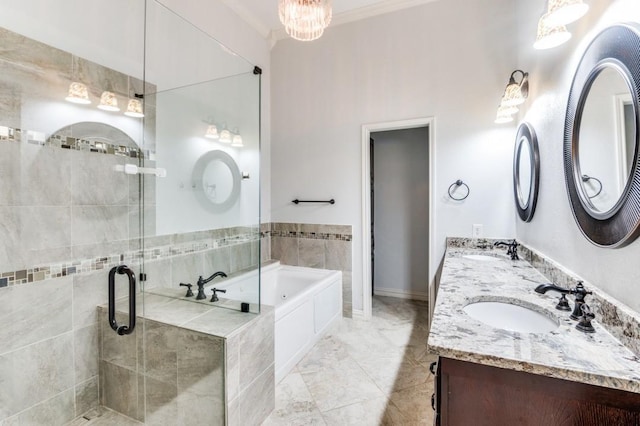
{"x": 601, "y": 138}
{"x": 605, "y": 140}
{"x": 526, "y": 171}
{"x": 216, "y": 181}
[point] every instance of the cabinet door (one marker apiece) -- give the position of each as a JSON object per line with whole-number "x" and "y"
{"x": 479, "y": 395}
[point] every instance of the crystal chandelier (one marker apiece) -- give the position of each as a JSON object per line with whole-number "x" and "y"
{"x": 305, "y": 19}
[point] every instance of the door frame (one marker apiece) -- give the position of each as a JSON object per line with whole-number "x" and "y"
{"x": 367, "y": 129}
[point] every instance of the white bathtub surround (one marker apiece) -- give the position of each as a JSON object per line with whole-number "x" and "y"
{"x": 566, "y": 353}
{"x": 363, "y": 372}
{"x": 307, "y": 302}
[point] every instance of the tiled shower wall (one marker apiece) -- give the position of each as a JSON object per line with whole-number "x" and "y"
{"x": 316, "y": 246}
{"x": 66, "y": 218}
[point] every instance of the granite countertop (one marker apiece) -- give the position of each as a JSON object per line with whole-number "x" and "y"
{"x": 565, "y": 353}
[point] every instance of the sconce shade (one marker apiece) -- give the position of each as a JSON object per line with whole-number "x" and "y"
{"x": 212, "y": 132}
{"x": 563, "y": 12}
{"x": 237, "y": 141}
{"x": 505, "y": 114}
{"x": 78, "y": 94}
{"x": 508, "y": 110}
{"x": 225, "y": 136}
{"x": 108, "y": 101}
{"x": 550, "y": 36}
{"x": 134, "y": 108}
{"x": 305, "y": 20}
{"x": 515, "y": 93}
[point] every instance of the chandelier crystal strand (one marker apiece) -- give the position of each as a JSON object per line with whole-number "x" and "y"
{"x": 305, "y": 20}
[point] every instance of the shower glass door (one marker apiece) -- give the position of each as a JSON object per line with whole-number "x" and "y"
{"x": 68, "y": 209}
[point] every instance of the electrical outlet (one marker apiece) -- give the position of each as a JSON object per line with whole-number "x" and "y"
{"x": 477, "y": 231}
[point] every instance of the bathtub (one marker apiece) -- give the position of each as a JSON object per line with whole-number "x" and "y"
{"x": 307, "y": 302}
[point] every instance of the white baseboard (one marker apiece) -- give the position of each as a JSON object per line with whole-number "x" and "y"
{"x": 358, "y": 314}
{"x": 401, "y": 294}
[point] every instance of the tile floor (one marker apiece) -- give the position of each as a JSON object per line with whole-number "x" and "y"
{"x": 363, "y": 372}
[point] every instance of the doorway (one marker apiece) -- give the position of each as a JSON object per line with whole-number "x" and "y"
{"x": 399, "y": 168}
{"x": 428, "y": 125}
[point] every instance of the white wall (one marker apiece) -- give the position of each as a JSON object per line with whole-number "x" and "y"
{"x": 553, "y": 230}
{"x": 447, "y": 59}
{"x": 401, "y": 212}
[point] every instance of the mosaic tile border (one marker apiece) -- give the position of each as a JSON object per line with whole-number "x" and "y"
{"x": 133, "y": 257}
{"x": 9, "y": 134}
{"x": 311, "y": 235}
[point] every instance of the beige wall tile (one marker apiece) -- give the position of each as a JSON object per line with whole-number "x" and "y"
{"x": 52, "y": 412}
{"x": 85, "y": 348}
{"x": 311, "y": 253}
{"x": 87, "y": 396}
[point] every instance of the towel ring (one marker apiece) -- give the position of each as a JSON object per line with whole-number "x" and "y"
{"x": 455, "y": 185}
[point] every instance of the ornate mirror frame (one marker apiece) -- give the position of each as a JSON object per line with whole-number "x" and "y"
{"x": 526, "y": 135}
{"x": 616, "y": 46}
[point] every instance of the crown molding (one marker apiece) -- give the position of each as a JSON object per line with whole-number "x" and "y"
{"x": 380, "y": 8}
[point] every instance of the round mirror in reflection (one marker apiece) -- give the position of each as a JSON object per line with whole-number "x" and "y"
{"x": 606, "y": 138}
{"x": 601, "y": 138}
{"x": 526, "y": 171}
{"x": 216, "y": 181}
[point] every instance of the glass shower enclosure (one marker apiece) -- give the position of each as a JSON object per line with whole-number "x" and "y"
{"x": 128, "y": 138}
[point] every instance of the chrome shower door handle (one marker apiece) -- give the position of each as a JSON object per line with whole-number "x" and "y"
{"x": 123, "y": 329}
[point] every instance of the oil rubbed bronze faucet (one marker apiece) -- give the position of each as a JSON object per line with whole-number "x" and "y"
{"x": 581, "y": 311}
{"x": 512, "y": 248}
{"x": 202, "y": 282}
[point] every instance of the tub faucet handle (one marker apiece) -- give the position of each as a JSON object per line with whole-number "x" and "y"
{"x": 214, "y": 297}
{"x": 189, "y": 292}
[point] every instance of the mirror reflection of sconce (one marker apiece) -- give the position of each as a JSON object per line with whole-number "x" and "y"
{"x": 237, "y": 139}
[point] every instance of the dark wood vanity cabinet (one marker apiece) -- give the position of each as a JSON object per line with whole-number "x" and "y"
{"x": 472, "y": 394}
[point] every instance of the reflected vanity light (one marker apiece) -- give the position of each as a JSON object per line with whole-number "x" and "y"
{"x": 212, "y": 132}
{"x": 563, "y": 12}
{"x": 78, "y": 94}
{"x": 108, "y": 101}
{"x": 550, "y": 36}
{"x": 237, "y": 140}
{"x": 134, "y": 109}
{"x": 225, "y": 136}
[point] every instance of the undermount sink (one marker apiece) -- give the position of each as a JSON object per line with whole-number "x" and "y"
{"x": 508, "y": 316}
{"x": 481, "y": 257}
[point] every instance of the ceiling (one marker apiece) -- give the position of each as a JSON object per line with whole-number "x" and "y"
{"x": 263, "y": 14}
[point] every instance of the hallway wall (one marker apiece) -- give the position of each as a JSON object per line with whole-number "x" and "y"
{"x": 401, "y": 213}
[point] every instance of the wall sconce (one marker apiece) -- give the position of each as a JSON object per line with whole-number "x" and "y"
{"x": 108, "y": 101}
{"x": 548, "y": 36}
{"x": 225, "y": 135}
{"x": 505, "y": 114}
{"x": 78, "y": 93}
{"x": 237, "y": 139}
{"x": 563, "y": 12}
{"x": 134, "y": 109}
{"x": 551, "y": 26}
{"x": 212, "y": 132}
{"x": 516, "y": 92}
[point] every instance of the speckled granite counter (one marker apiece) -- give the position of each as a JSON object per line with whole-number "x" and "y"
{"x": 565, "y": 353}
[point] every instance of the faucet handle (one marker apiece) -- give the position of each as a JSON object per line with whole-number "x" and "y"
{"x": 189, "y": 292}
{"x": 580, "y": 292}
{"x": 214, "y": 297}
{"x": 584, "y": 324}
